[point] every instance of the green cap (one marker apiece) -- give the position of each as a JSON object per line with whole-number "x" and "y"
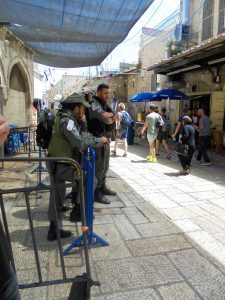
{"x": 76, "y": 98}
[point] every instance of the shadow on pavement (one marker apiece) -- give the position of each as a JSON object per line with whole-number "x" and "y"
{"x": 172, "y": 174}
{"x": 212, "y": 173}
{"x": 23, "y": 237}
{"x": 143, "y": 161}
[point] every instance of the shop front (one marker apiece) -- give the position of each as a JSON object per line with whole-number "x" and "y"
{"x": 200, "y": 73}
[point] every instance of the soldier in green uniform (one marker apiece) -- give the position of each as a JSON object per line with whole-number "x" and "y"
{"x": 67, "y": 139}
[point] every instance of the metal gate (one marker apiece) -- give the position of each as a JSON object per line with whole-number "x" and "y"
{"x": 26, "y": 192}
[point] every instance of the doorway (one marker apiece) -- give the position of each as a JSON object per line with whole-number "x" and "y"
{"x": 201, "y": 101}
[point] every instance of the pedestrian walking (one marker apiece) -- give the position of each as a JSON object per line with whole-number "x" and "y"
{"x": 204, "y": 137}
{"x": 100, "y": 123}
{"x": 178, "y": 129}
{"x": 162, "y": 136}
{"x": 187, "y": 140}
{"x": 153, "y": 122}
{"x": 122, "y": 131}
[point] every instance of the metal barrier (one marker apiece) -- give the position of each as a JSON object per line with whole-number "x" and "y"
{"x": 25, "y": 146}
{"x": 27, "y": 191}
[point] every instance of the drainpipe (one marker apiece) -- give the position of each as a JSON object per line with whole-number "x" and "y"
{"x": 185, "y": 4}
{"x": 1, "y": 112}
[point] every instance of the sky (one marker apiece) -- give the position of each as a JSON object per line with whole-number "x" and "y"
{"x": 128, "y": 50}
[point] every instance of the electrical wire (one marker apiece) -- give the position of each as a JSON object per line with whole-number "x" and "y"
{"x": 189, "y": 19}
{"x": 145, "y": 24}
{"x": 162, "y": 24}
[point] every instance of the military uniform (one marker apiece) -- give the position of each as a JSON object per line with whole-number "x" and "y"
{"x": 67, "y": 139}
{"x": 98, "y": 128}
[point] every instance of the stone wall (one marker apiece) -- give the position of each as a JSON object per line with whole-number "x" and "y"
{"x": 125, "y": 86}
{"x": 152, "y": 51}
{"x": 16, "y": 79}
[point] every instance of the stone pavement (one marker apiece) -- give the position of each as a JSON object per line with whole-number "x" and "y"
{"x": 166, "y": 235}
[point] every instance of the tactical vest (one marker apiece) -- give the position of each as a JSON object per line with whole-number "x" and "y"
{"x": 95, "y": 126}
{"x": 59, "y": 146}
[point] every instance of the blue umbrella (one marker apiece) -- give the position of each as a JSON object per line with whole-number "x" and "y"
{"x": 171, "y": 94}
{"x": 142, "y": 97}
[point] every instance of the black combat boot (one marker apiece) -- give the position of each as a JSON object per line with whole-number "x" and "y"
{"x": 65, "y": 208}
{"x": 52, "y": 236}
{"x": 99, "y": 197}
{"x": 75, "y": 215}
{"x": 106, "y": 191}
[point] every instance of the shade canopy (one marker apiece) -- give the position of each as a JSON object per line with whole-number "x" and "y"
{"x": 72, "y": 33}
{"x": 143, "y": 97}
{"x": 171, "y": 94}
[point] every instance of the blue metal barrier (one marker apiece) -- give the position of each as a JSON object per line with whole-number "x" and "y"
{"x": 93, "y": 238}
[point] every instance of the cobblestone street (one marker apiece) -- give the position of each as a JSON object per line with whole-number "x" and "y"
{"x": 166, "y": 235}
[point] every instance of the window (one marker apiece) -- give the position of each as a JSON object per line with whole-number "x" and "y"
{"x": 207, "y": 24}
{"x": 221, "y": 27}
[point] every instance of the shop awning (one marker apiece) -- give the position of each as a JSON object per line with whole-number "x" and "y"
{"x": 73, "y": 33}
{"x": 208, "y": 53}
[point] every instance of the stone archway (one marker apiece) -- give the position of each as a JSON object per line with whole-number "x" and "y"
{"x": 18, "y": 106}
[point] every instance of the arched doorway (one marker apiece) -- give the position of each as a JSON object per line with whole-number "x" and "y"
{"x": 18, "y": 106}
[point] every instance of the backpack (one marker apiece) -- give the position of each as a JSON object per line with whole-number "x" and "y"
{"x": 160, "y": 122}
{"x": 125, "y": 119}
{"x": 166, "y": 126}
{"x": 44, "y": 132}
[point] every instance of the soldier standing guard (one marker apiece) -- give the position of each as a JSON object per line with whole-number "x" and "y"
{"x": 100, "y": 123}
{"x": 67, "y": 139}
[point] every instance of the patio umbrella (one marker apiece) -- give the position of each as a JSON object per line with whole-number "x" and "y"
{"x": 142, "y": 97}
{"x": 171, "y": 94}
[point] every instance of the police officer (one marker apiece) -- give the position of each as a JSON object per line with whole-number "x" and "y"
{"x": 100, "y": 123}
{"x": 67, "y": 139}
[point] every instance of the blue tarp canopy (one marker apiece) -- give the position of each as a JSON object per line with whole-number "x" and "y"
{"x": 72, "y": 33}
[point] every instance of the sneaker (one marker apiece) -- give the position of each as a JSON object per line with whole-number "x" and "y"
{"x": 113, "y": 152}
{"x": 157, "y": 155}
{"x": 154, "y": 160}
{"x": 183, "y": 172}
{"x": 206, "y": 164}
{"x": 169, "y": 156}
{"x": 199, "y": 161}
{"x": 125, "y": 155}
{"x": 149, "y": 158}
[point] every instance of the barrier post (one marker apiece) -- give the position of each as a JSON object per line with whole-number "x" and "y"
{"x": 40, "y": 169}
{"x": 93, "y": 238}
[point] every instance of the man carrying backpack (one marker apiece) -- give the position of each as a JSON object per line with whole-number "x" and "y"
{"x": 67, "y": 139}
{"x": 163, "y": 134}
{"x": 123, "y": 125}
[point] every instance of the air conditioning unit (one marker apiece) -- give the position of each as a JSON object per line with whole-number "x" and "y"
{"x": 182, "y": 33}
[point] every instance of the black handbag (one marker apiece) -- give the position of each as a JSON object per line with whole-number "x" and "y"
{"x": 181, "y": 149}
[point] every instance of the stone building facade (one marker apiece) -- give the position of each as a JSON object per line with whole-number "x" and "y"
{"x": 199, "y": 70}
{"x": 16, "y": 79}
{"x": 125, "y": 85}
